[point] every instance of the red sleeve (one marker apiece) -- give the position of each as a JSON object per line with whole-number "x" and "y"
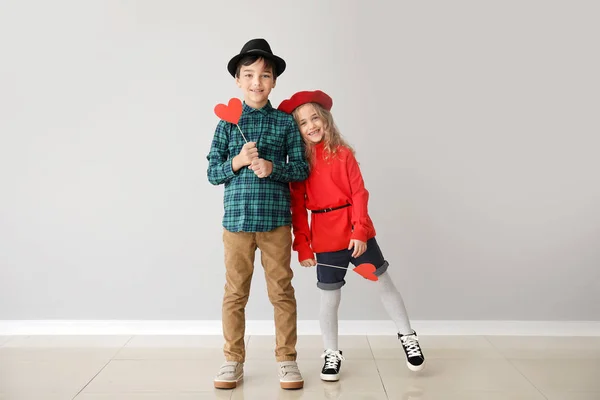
{"x": 360, "y": 199}
{"x": 300, "y": 226}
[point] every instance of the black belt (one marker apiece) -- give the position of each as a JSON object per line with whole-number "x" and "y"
{"x": 329, "y": 209}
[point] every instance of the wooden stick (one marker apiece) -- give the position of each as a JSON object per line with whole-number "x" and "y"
{"x": 241, "y": 133}
{"x": 332, "y": 266}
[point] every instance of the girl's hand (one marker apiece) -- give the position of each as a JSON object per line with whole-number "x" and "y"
{"x": 359, "y": 247}
{"x": 308, "y": 263}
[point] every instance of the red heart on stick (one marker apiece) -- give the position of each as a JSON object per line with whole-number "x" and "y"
{"x": 230, "y": 112}
{"x": 367, "y": 271}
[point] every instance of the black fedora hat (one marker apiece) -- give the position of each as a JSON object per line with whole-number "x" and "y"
{"x": 256, "y": 47}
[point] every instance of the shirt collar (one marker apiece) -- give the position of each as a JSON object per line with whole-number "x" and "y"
{"x": 265, "y": 110}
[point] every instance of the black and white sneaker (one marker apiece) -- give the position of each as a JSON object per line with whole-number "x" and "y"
{"x": 332, "y": 366}
{"x": 414, "y": 356}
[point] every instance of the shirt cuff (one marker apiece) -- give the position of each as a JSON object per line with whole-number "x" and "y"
{"x": 228, "y": 169}
{"x": 359, "y": 234}
{"x": 277, "y": 173}
{"x": 305, "y": 253}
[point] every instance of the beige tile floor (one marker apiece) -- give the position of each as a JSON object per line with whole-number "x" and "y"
{"x": 182, "y": 367}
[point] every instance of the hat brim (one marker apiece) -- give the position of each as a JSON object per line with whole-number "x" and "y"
{"x": 300, "y": 98}
{"x": 279, "y": 62}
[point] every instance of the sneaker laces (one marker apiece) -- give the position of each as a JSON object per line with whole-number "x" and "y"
{"x": 332, "y": 358}
{"x": 411, "y": 344}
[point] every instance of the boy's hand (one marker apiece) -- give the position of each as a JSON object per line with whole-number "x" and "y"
{"x": 248, "y": 153}
{"x": 261, "y": 167}
{"x": 308, "y": 263}
{"x": 359, "y": 247}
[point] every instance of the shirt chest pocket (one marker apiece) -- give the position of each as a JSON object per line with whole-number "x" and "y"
{"x": 272, "y": 147}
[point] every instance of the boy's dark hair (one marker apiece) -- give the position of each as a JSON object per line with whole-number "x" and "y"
{"x": 249, "y": 60}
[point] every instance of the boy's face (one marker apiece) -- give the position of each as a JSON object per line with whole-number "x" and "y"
{"x": 256, "y": 81}
{"x": 310, "y": 124}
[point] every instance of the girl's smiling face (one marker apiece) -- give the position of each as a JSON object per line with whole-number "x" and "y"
{"x": 310, "y": 124}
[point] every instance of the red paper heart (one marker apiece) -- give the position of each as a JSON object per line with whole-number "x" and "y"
{"x": 231, "y": 112}
{"x": 367, "y": 271}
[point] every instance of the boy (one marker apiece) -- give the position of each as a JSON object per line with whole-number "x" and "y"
{"x": 256, "y": 176}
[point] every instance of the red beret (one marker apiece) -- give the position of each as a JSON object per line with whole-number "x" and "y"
{"x": 300, "y": 98}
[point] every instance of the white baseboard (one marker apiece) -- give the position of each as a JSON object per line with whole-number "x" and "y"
{"x": 305, "y": 327}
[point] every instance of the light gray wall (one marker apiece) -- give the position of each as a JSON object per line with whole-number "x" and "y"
{"x": 476, "y": 125}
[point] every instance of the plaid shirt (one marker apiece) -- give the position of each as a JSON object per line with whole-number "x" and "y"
{"x": 254, "y": 204}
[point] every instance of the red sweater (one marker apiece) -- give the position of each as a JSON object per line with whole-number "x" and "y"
{"x": 331, "y": 183}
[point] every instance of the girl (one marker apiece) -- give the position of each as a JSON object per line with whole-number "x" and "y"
{"x": 341, "y": 231}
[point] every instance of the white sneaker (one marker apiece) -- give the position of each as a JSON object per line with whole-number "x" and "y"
{"x": 230, "y": 373}
{"x": 289, "y": 375}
